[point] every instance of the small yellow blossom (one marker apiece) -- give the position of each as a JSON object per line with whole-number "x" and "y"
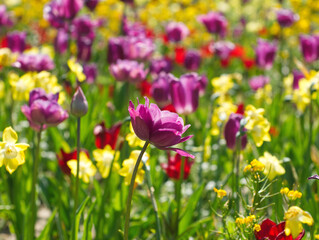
{"x": 77, "y": 69}
{"x": 104, "y": 158}
{"x": 87, "y": 169}
{"x": 291, "y": 194}
{"x": 128, "y": 167}
{"x": 133, "y": 140}
{"x": 294, "y": 217}
{"x": 255, "y": 166}
{"x": 272, "y": 166}
{"x": 7, "y": 57}
{"x": 245, "y": 221}
{"x": 264, "y": 94}
{"x": 22, "y": 86}
{"x": 220, "y": 193}
{"x": 11, "y": 153}
{"x": 222, "y": 84}
{"x": 257, "y": 228}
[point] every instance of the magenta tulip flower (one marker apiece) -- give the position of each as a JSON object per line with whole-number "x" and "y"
{"x": 192, "y": 60}
{"x": 214, "y": 22}
{"x": 231, "y": 129}
{"x": 185, "y": 93}
{"x": 176, "y": 31}
{"x": 265, "y": 54}
{"x": 309, "y": 47}
{"x": 16, "y": 41}
{"x": 160, "y": 89}
{"x": 43, "y": 110}
{"x": 258, "y": 82}
{"x": 129, "y": 71}
{"x": 163, "y": 129}
{"x": 34, "y": 62}
{"x": 223, "y": 49}
{"x": 5, "y": 18}
{"x": 286, "y": 17}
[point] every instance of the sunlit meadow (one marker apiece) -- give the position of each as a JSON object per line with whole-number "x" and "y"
{"x": 166, "y": 120}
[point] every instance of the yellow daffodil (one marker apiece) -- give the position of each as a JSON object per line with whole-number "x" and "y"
{"x": 22, "y": 86}
{"x": 7, "y": 57}
{"x": 77, "y": 69}
{"x": 104, "y": 158}
{"x": 294, "y": 217}
{"x": 86, "y": 170}
{"x": 272, "y": 166}
{"x": 11, "y": 153}
{"x": 220, "y": 193}
{"x": 128, "y": 167}
{"x": 133, "y": 140}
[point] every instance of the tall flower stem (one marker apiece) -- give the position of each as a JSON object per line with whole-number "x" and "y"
{"x": 34, "y": 183}
{"x": 235, "y": 188}
{"x": 178, "y": 195}
{"x": 153, "y": 199}
{"x": 76, "y": 192}
{"x": 130, "y": 193}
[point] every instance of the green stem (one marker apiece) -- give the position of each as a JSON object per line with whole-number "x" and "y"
{"x": 130, "y": 193}
{"x": 153, "y": 199}
{"x": 235, "y": 188}
{"x": 34, "y": 183}
{"x": 76, "y": 193}
{"x": 178, "y": 195}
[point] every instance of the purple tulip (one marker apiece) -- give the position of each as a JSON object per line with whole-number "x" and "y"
{"x": 43, "y": 110}
{"x": 79, "y": 104}
{"x": 202, "y": 84}
{"x": 34, "y": 62}
{"x": 297, "y": 76}
{"x": 192, "y": 60}
{"x": 163, "y": 129}
{"x": 160, "y": 89}
{"x": 135, "y": 29}
{"x": 115, "y": 49}
{"x": 214, "y": 22}
{"x": 84, "y": 46}
{"x": 83, "y": 27}
{"x": 258, "y": 82}
{"x": 314, "y": 177}
{"x": 16, "y": 41}
{"x": 91, "y": 4}
{"x": 61, "y": 41}
{"x": 176, "y": 31}
{"x": 286, "y": 17}
{"x": 309, "y": 47}
{"x": 5, "y": 20}
{"x": 128, "y": 70}
{"x": 265, "y": 54}
{"x": 137, "y": 48}
{"x": 185, "y": 93}
{"x": 90, "y": 71}
{"x": 71, "y": 7}
{"x": 231, "y": 129}
{"x": 223, "y": 49}
{"x": 161, "y": 65}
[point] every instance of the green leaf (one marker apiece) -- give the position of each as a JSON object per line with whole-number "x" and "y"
{"x": 190, "y": 208}
{"x": 78, "y": 215}
{"x": 88, "y": 222}
{"x": 45, "y": 234}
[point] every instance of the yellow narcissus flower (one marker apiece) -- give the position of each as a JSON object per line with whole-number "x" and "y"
{"x": 7, "y": 57}
{"x": 128, "y": 167}
{"x": 22, "y": 86}
{"x": 264, "y": 95}
{"x": 87, "y": 169}
{"x": 133, "y": 140}
{"x": 272, "y": 166}
{"x": 222, "y": 84}
{"x": 11, "y": 153}
{"x": 257, "y": 125}
{"x": 294, "y": 217}
{"x": 104, "y": 158}
{"x": 77, "y": 69}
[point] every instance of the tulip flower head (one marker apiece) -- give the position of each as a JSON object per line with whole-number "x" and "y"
{"x": 79, "y": 104}
{"x": 231, "y": 130}
{"x": 104, "y": 158}
{"x": 128, "y": 70}
{"x": 265, "y": 54}
{"x": 214, "y": 22}
{"x": 176, "y": 31}
{"x": 11, "y": 153}
{"x": 86, "y": 170}
{"x": 43, "y": 110}
{"x": 173, "y": 167}
{"x": 163, "y": 129}
{"x": 286, "y": 17}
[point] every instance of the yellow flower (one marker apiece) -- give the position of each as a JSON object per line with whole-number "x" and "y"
{"x": 257, "y": 228}
{"x": 87, "y": 169}
{"x": 294, "y": 217}
{"x": 128, "y": 167}
{"x": 257, "y": 125}
{"x": 222, "y": 84}
{"x": 104, "y": 158}
{"x": 11, "y": 153}
{"x": 220, "y": 193}
{"x": 220, "y": 116}
{"x": 247, "y": 220}
{"x": 77, "y": 69}
{"x": 2, "y": 89}
{"x": 133, "y": 140}
{"x": 272, "y": 166}
{"x": 22, "y": 86}
{"x": 264, "y": 95}
{"x": 7, "y": 57}
{"x": 291, "y": 194}
{"x": 255, "y": 166}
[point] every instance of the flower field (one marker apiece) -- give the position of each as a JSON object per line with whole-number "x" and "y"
{"x": 166, "y": 120}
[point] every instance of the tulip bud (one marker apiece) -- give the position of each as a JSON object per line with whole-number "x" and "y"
{"x": 79, "y": 104}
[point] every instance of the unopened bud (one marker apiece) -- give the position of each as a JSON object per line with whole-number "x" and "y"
{"x": 79, "y": 104}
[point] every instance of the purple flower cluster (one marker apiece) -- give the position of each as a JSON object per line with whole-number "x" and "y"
{"x": 258, "y": 82}
{"x": 223, "y": 49}
{"x": 215, "y": 22}
{"x": 176, "y": 31}
{"x": 163, "y": 129}
{"x": 43, "y": 110}
{"x": 16, "y": 41}
{"x": 128, "y": 70}
{"x": 265, "y": 54}
{"x": 5, "y": 19}
{"x": 160, "y": 65}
